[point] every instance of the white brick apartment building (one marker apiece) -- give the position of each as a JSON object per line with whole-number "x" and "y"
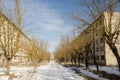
{"x": 20, "y": 56}
{"x": 104, "y": 55}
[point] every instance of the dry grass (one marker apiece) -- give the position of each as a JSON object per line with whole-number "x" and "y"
{"x": 88, "y": 78}
{"x": 107, "y": 75}
{"x": 11, "y": 76}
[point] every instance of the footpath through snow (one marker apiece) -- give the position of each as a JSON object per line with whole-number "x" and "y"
{"x": 53, "y": 71}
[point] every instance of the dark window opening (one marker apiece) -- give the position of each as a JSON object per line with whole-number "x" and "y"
{"x": 102, "y": 57}
{"x": 101, "y": 40}
{"x": 101, "y": 48}
{"x": 97, "y": 49}
{"x": 97, "y": 57}
{"x": 96, "y": 34}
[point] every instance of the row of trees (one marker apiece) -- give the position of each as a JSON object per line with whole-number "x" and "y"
{"x": 10, "y": 36}
{"x": 37, "y": 50}
{"x": 69, "y": 50}
{"x": 13, "y": 40}
{"x": 110, "y": 30}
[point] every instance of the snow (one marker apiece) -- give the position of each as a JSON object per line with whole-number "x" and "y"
{"x": 4, "y": 78}
{"x": 90, "y": 74}
{"x": 18, "y": 71}
{"x": 110, "y": 70}
{"x": 52, "y": 71}
{"x": 55, "y": 71}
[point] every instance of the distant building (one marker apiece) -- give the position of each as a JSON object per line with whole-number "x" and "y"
{"x": 104, "y": 55}
{"x": 52, "y": 56}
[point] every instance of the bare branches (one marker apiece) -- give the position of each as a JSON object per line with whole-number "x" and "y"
{"x": 103, "y": 16}
{"x": 37, "y": 50}
{"x": 10, "y": 37}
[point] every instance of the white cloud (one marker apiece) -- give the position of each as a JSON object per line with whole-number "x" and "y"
{"x": 48, "y": 18}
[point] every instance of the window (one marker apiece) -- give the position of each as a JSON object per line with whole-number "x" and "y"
{"x": 96, "y": 34}
{"x": 91, "y": 57}
{"x": 97, "y": 57}
{"x": 101, "y": 48}
{"x": 96, "y": 25}
{"x": 96, "y": 41}
{"x": 97, "y": 49}
{"x": 88, "y": 58}
{"x": 102, "y": 57}
{"x": 100, "y": 22}
{"x": 101, "y": 40}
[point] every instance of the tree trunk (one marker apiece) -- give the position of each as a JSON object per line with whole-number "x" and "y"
{"x": 8, "y": 67}
{"x": 78, "y": 60}
{"x": 86, "y": 61}
{"x": 94, "y": 54}
{"x": 75, "y": 59}
{"x": 34, "y": 68}
{"x": 96, "y": 64}
{"x": 86, "y": 57}
{"x": 94, "y": 59}
{"x": 72, "y": 62}
{"x": 115, "y": 52}
{"x": 72, "y": 59}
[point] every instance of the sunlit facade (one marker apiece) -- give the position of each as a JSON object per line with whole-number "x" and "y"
{"x": 20, "y": 55}
{"x": 93, "y": 37}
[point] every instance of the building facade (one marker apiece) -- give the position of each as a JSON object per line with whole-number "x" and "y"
{"x": 92, "y": 38}
{"x": 8, "y": 35}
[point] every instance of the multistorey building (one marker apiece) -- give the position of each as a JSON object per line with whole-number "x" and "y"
{"x": 92, "y": 38}
{"x": 9, "y": 30}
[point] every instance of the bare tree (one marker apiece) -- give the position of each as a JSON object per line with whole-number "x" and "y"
{"x": 10, "y": 36}
{"x": 37, "y": 51}
{"x": 63, "y": 51}
{"x": 111, "y": 29}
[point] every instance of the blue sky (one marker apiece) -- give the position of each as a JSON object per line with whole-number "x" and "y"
{"x": 48, "y": 19}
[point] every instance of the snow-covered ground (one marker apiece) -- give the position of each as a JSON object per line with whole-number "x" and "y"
{"x": 52, "y": 71}
{"x": 55, "y": 71}
{"x": 110, "y": 70}
{"x": 17, "y": 71}
{"x": 90, "y": 74}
